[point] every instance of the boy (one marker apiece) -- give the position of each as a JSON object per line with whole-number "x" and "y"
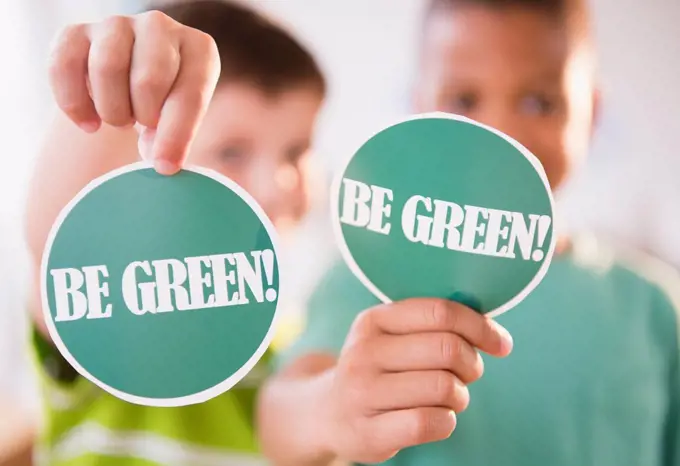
{"x": 251, "y": 119}
{"x": 594, "y": 377}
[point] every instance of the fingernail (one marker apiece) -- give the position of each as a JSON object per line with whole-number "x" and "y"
{"x": 165, "y": 167}
{"x": 89, "y": 126}
{"x": 453, "y": 421}
{"x": 144, "y": 147}
{"x": 145, "y": 143}
{"x": 506, "y": 339}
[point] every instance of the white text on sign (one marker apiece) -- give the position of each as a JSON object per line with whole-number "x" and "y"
{"x": 148, "y": 287}
{"x": 444, "y": 224}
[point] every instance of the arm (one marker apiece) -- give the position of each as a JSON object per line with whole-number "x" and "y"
{"x": 296, "y": 397}
{"x": 305, "y": 367}
{"x": 69, "y": 159}
{"x": 147, "y": 70}
{"x": 400, "y": 378}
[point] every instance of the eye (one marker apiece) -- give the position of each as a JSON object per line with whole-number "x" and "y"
{"x": 295, "y": 153}
{"x": 537, "y": 105}
{"x": 233, "y": 154}
{"x": 463, "y": 103}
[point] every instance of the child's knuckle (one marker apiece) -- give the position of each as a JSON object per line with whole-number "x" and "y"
{"x": 421, "y": 426}
{"x": 155, "y": 18}
{"x": 147, "y": 81}
{"x": 444, "y": 387}
{"x": 204, "y": 42}
{"x": 438, "y": 313}
{"x": 451, "y": 347}
{"x": 115, "y": 25}
{"x": 71, "y": 32}
{"x": 107, "y": 62}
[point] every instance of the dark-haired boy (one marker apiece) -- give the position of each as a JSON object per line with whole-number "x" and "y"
{"x": 251, "y": 119}
{"x": 594, "y": 378}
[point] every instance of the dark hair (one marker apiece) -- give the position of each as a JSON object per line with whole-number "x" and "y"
{"x": 573, "y": 14}
{"x": 251, "y": 47}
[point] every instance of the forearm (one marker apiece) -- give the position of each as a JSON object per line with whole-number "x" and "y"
{"x": 291, "y": 410}
{"x": 67, "y": 161}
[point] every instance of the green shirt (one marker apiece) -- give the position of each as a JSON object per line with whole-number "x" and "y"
{"x": 593, "y": 378}
{"x": 86, "y": 426}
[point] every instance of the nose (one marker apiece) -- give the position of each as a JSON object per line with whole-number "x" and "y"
{"x": 502, "y": 120}
{"x": 261, "y": 185}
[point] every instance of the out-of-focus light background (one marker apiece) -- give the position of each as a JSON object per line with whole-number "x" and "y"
{"x": 629, "y": 188}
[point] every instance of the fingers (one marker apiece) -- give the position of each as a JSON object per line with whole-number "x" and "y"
{"x": 396, "y": 430}
{"x": 425, "y": 352}
{"x": 404, "y": 390}
{"x": 437, "y": 315}
{"x": 68, "y": 77}
{"x": 187, "y": 102}
{"x": 147, "y": 69}
{"x": 109, "y": 70}
{"x": 155, "y": 64}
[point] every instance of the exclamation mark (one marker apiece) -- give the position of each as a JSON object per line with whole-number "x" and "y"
{"x": 543, "y": 226}
{"x": 268, "y": 262}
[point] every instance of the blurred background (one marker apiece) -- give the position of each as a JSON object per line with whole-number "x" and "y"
{"x": 628, "y": 190}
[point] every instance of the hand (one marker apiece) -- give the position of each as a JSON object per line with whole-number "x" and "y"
{"x": 146, "y": 69}
{"x": 403, "y": 375}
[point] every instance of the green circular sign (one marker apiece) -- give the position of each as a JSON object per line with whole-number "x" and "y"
{"x": 441, "y": 206}
{"x": 161, "y": 290}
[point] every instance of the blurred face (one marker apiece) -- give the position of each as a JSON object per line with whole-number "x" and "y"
{"x": 517, "y": 71}
{"x": 262, "y": 143}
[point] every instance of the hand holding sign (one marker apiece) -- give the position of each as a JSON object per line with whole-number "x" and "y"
{"x": 403, "y": 374}
{"x": 146, "y": 69}
{"x": 433, "y": 209}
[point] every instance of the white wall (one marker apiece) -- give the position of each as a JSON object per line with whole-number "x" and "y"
{"x": 26, "y": 29}
{"x": 19, "y": 116}
{"x": 632, "y": 188}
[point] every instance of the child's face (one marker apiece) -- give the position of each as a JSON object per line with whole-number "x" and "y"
{"x": 515, "y": 70}
{"x": 262, "y": 143}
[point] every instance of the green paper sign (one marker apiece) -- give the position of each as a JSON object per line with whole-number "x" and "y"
{"x": 441, "y": 206}
{"x": 161, "y": 290}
